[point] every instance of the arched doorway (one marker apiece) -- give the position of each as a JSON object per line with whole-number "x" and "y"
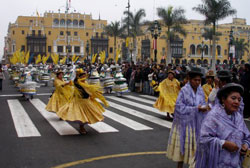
{"x": 177, "y": 61}
{"x": 199, "y": 61}
{"x": 205, "y": 61}
{"x": 192, "y": 61}
{"x": 184, "y": 61}
{"x": 225, "y": 62}
{"x": 218, "y": 62}
{"x": 192, "y": 49}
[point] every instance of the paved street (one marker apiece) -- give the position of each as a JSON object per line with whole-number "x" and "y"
{"x": 133, "y": 134}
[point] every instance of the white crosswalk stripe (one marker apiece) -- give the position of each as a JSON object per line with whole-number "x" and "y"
{"x": 23, "y": 124}
{"x": 126, "y": 121}
{"x": 144, "y": 107}
{"x": 116, "y": 103}
{"x": 140, "y": 99}
{"x": 102, "y": 127}
{"x": 144, "y": 116}
{"x": 62, "y": 127}
{"x": 149, "y": 97}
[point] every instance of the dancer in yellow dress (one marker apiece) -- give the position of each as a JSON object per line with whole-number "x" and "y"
{"x": 169, "y": 90}
{"x": 59, "y": 97}
{"x": 208, "y": 87}
{"x": 83, "y": 106}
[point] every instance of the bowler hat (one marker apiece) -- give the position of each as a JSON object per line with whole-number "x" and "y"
{"x": 195, "y": 71}
{"x": 224, "y": 74}
{"x": 229, "y": 88}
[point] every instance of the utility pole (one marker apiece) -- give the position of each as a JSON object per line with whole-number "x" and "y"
{"x": 67, "y": 32}
{"x": 128, "y": 30}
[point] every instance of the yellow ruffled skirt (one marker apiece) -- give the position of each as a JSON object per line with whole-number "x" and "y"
{"x": 165, "y": 105}
{"x": 84, "y": 110}
{"x": 174, "y": 148}
{"x": 56, "y": 102}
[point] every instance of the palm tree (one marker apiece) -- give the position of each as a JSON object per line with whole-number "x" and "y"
{"x": 172, "y": 19}
{"x": 240, "y": 47}
{"x": 114, "y": 30}
{"x": 134, "y": 22}
{"x": 214, "y": 10}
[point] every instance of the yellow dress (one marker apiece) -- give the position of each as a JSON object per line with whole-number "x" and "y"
{"x": 207, "y": 90}
{"x": 86, "y": 110}
{"x": 169, "y": 90}
{"x": 59, "y": 97}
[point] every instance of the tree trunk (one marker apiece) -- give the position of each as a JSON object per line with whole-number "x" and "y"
{"x": 213, "y": 56}
{"x": 169, "y": 56}
{"x": 214, "y": 48}
{"x": 115, "y": 50}
{"x": 134, "y": 50}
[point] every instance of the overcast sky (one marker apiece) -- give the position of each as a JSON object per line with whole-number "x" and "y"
{"x": 111, "y": 10}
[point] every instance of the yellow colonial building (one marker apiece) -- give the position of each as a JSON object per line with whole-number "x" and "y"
{"x": 80, "y": 34}
{"x": 59, "y": 33}
{"x": 189, "y": 48}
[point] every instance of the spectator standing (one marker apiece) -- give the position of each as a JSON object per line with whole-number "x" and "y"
{"x": 245, "y": 82}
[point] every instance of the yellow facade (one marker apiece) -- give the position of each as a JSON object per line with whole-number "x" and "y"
{"x": 82, "y": 28}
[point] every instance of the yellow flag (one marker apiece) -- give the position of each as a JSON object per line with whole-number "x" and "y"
{"x": 27, "y": 57}
{"x": 74, "y": 58}
{"x": 117, "y": 55}
{"x": 127, "y": 41}
{"x": 55, "y": 58}
{"x": 103, "y": 56}
{"x": 93, "y": 58}
{"x": 63, "y": 60}
{"x": 45, "y": 59}
{"x": 83, "y": 58}
{"x": 38, "y": 59}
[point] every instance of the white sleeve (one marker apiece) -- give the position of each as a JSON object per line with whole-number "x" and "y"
{"x": 213, "y": 95}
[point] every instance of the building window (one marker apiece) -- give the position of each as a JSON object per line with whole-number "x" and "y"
{"x": 23, "y": 48}
{"x": 62, "y": 22}
{"x": 61, "y": 33}
{"x": 23, "y": 32}
{"x": 97, "y": 34}
{"x": 192, "y": 49}
{"x": 225, "y": 39}
{"x": 75, "y": 23}
{"x": 218, "y": 50}
{"x": 68, "y": 33}
{"x": 33, "y": 32}
{"x": 87, "y": 34}
{"x": 192, "y": 37}
{"x": 195, "y": 29}
{"x": 49, "y": 32}
{"x": 75, "y": 34}
{"x": 13, "y": 32}
{"x": 31, "y": 21}
{"x": 49, "y": 49}
{"x": 225, "y": 52}
{"x": 184, "y": 51}
{"x": 77, "y": 49}
{"x": 60, "y": 49}
{"x": 111, "y": 50}
{"x": 56, "y": 22}
{"x": 39, "y": 32}
{"x": 81, "y": 23}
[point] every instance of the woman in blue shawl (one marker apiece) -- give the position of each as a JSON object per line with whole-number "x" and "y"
{"x": 224, "y": 137}
{"x": 189, "y": 112}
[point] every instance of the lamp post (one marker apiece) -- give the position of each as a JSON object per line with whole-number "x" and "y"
{"x": 128, "y": 29}
{"x": 155, "y": 32}
{"x": 87, "y": 50}
{"x": 202, "y": 50}
{"x": 231, "y": 48}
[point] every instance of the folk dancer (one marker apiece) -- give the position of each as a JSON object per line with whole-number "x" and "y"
{"x": 60, "y": 95}
{"x": 189, "y": 112}
{"x": 83, "y": 106}
{"x": 224, "y": 137}
{"x": 169, "y": 90}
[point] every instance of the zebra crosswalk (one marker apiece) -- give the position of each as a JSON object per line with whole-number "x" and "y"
{"x": 133, "y": 112}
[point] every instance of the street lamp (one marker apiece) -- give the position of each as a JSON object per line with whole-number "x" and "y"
{"x": 231, "y": 48}
{"x": 202, "y": 50}
{"x": 155, "y": 32}
{"x": 87, "y": 50}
